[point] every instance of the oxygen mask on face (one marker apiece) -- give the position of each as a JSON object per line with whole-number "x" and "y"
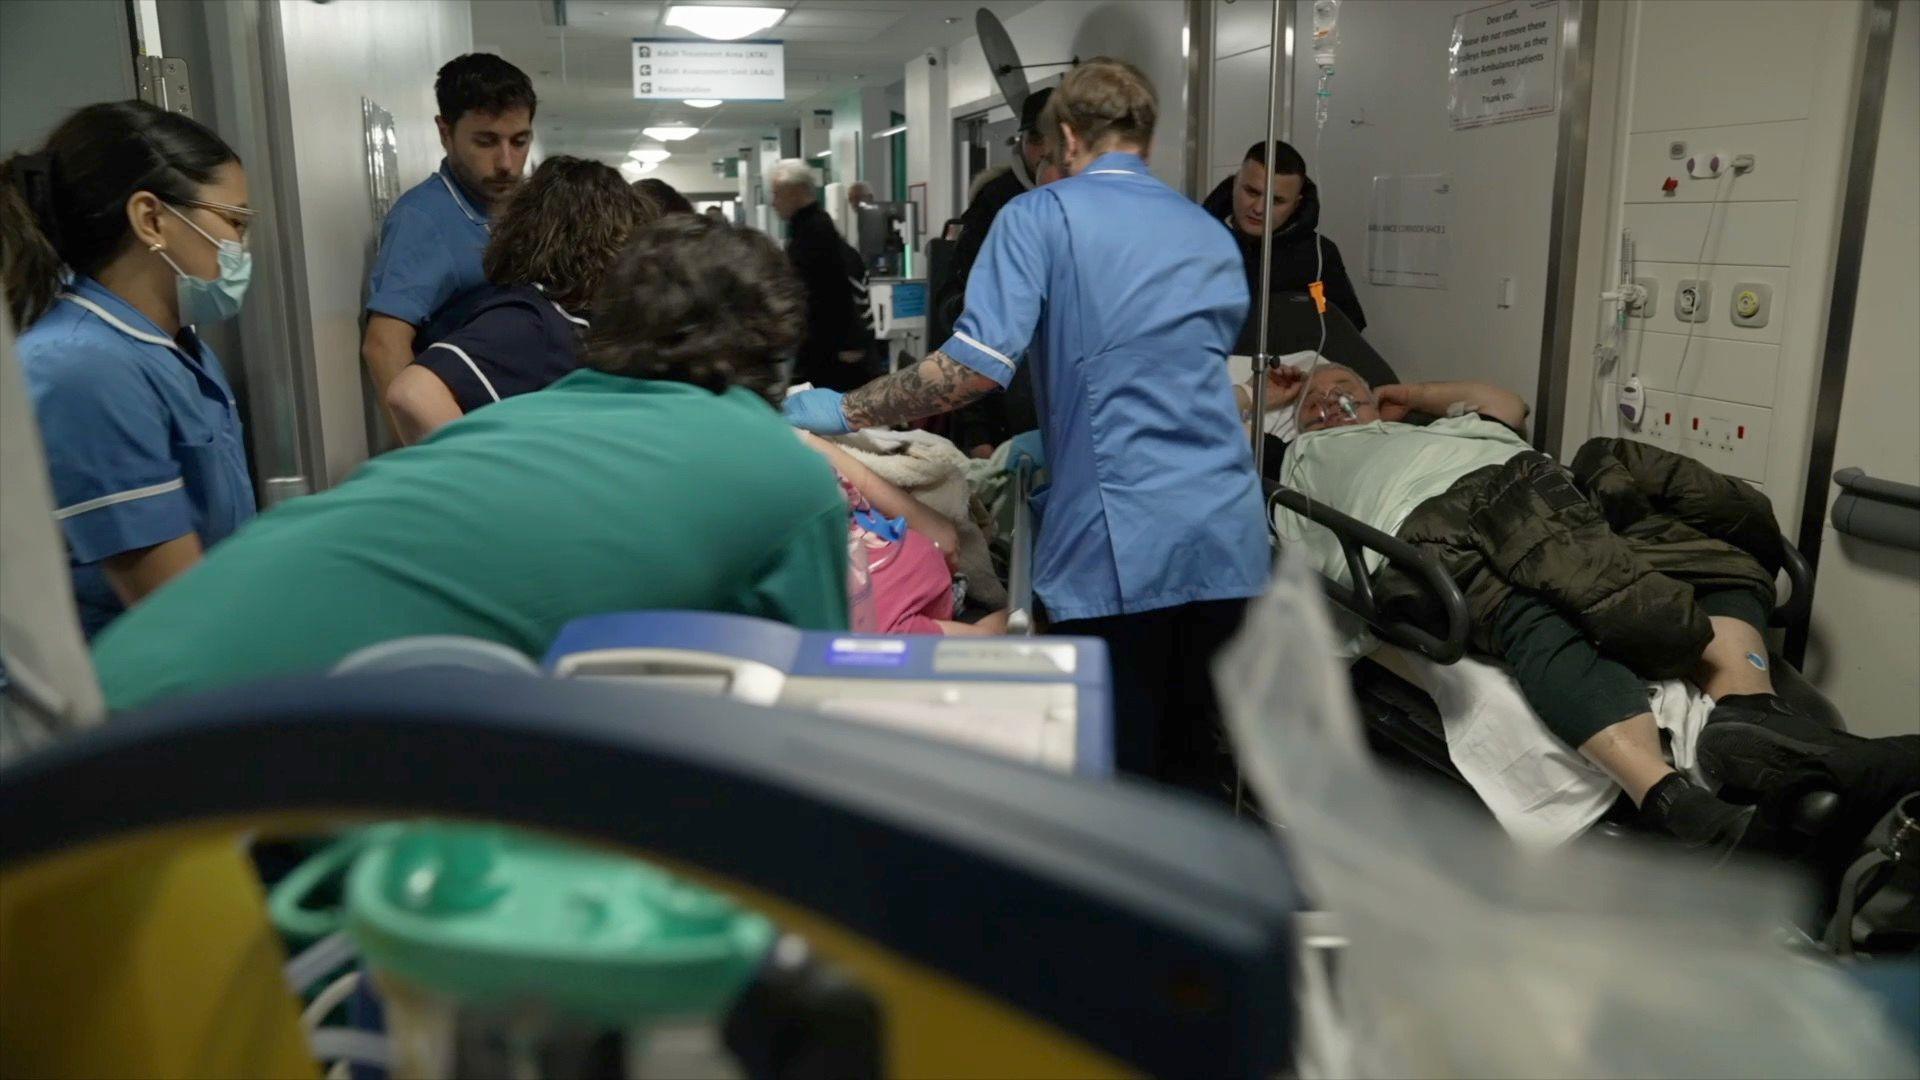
{"x": 1335, "y": 410}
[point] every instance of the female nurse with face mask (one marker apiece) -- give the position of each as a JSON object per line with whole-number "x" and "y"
{"x": 118, "y": 236}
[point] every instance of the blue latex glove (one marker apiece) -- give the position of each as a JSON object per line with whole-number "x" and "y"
{"x": 1026, "y": 445}
{"x": 817, "y": 411}
{"x": 892, "y": 530}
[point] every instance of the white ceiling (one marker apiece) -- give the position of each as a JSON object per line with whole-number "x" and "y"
{"x": 583, "y": 72}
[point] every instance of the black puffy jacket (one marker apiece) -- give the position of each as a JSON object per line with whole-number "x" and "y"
{"x": 1618, "y": 544}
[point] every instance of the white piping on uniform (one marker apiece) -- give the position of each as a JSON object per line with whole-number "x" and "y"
{"x": 1109, "y": 172}
{"x": 462, "y": 354}
{"x": 577, "y": 320}
{"x": 118, "y": 497}
{"x": 983, "y": 348}
{"x": 138, "y": 335}
{"x": 112, "y": 320}
{"x": 462, "y": 202}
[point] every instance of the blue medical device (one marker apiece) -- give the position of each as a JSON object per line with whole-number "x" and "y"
{"x": 910, "y": 300}
{"x": 1041, "y": 700}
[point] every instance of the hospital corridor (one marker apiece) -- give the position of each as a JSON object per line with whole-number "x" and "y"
{"x": 921, "y": 539}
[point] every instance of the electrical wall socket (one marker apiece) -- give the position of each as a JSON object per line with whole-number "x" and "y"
{"x": 1645, "y": 308}
{"x": 1732, "y": 438}
{"x": 1692, "y": 299}
{"x": 1660, "y": 418}
{"x": 1661, "y": 423}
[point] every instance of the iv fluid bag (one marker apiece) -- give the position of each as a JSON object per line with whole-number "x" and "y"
{"x": 1326, "y": 31}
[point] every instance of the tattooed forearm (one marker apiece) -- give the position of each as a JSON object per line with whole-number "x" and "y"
{"x": 935, "y": 385}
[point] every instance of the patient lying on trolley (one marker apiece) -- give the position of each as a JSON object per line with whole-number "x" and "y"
{"x": 1588, "y": 582}
{"x": 912, "y": 552}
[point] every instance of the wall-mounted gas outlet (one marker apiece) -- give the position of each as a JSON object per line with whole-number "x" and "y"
{"x": 1692, "y": 297}
{"x": 1705, "y": 165}
{"x": 1651, "y": 303}
{"x": 1750, "y": 304}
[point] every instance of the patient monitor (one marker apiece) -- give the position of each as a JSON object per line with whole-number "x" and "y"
{"x": 1041, "y": 701}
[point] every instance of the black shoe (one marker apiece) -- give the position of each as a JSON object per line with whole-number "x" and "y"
{"x": 1751, "y": 751}
{"x": 1773, "y": 711}
{"x": 1692, "y": 815}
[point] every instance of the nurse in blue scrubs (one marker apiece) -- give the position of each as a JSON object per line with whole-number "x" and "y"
{"x": 1123, "y": 298}
{"x": 427, "y": 279}
{"x": 127, "y": 228}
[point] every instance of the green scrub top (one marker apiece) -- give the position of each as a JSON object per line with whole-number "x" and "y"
{"x": 598, "y": 494}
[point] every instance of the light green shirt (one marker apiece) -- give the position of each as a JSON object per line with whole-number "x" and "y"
{"x": 1377, "y": 473}
{"x": 597, "y": 494}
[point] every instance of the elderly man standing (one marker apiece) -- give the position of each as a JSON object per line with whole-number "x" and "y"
{"x": 832, "y": 354}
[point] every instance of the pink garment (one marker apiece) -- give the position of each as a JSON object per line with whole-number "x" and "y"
{"x": 912, "y": 586}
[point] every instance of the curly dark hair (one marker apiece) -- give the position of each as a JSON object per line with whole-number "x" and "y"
{"x": 664, "y": 196}
{"x": 702, "y": 302}
{"x": 564, "y": 227}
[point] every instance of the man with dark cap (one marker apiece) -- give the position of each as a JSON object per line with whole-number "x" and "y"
{"x": 995, "y": 419}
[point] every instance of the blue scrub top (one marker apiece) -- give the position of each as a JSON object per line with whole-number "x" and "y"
{"x": 142, "y": 436}
{"x": 431, "y": 246}
{"x": 1126, "y": 298}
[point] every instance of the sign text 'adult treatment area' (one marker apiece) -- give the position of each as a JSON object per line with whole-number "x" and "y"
{"x": 724, "y": 70}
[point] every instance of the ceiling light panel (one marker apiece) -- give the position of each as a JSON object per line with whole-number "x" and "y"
{"x": 723, "y": 23}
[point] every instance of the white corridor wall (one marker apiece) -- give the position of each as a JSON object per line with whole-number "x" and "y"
{"x": 1777, "y": 83}
{"x": 338, "y": 53}
{"x": 1388, "y": 116}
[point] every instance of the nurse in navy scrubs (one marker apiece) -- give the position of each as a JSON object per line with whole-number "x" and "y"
{"x": 557, "y": 238}
{"x": 127, "y": 228}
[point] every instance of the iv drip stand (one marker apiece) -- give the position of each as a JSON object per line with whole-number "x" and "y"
{"x": 1262, "y": 358}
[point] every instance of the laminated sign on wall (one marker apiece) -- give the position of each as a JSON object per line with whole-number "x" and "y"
{"x": 726, "y": 70}
{"x": 1504, "y": 63}
{"x": 1407, "y": 230}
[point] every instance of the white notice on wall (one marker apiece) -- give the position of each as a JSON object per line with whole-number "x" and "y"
{"x": 1407, "y": 230}
{"x": 727, "y": 70}
{"x": 1504, "y": 63}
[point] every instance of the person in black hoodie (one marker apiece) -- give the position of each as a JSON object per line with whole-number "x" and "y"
{"x": 1300, "y": 254}
{"x": 996, "y": 418}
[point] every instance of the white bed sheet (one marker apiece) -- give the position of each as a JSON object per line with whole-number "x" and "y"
{"x": 1542, "y": 792}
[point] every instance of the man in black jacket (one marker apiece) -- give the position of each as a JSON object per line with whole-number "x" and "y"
{"x": 832, "y": 355}
{"x": 997, "y": 417}
{"x": 1301, "y": 255}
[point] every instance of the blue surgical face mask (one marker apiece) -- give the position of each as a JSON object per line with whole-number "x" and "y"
{"x": 204, "y": 301}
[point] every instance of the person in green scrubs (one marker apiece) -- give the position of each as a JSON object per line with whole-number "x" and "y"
{"x": 657, "y": 477}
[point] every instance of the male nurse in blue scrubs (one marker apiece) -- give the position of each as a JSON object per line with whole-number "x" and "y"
{"x": 434, "y": 236}
{"x": 1125, "y": 299}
